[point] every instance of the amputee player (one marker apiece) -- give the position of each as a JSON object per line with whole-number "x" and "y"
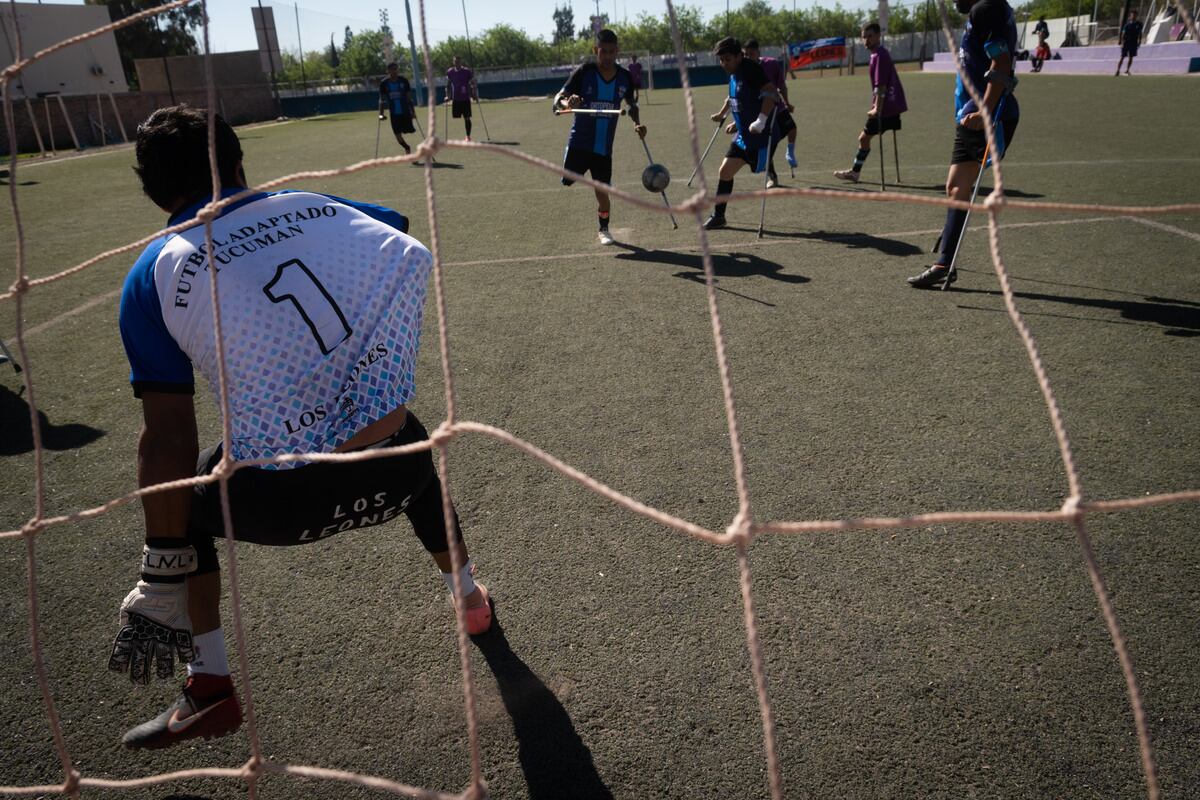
{"x": 461, "y": 82}
{"x": 776, "y": 74}
{"x": 321, "y": 306}
{"x": 635, "y": 75}
{"x": 600, "y": 86}
{"x": 986, "y": 50}
{"x": 396, "y": 96}
{"x": 751, "y": 99}
{"x": 887, "y": 100}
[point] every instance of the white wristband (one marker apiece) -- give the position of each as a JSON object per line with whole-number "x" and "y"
{"x": 168, "y": 562}
{"x": 762, "y": 119}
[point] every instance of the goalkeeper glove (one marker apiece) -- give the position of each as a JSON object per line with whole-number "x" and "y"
{"x": 154, "y": 618}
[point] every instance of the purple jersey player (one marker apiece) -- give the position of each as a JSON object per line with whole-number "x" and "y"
{"x": 887, "y": 100}
{"x": 460, "y": 81}
{"x": 635, "y": 76}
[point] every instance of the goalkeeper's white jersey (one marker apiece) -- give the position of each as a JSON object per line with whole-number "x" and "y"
{"x": 321, "y": 303}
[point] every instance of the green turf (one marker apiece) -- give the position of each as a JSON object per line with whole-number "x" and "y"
{"x": 948, "y": 662}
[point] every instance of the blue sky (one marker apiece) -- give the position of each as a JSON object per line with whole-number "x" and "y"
{"x": 232, "y": 28}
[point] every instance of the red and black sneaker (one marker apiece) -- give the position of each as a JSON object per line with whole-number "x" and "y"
{"x": 207, "y": 708}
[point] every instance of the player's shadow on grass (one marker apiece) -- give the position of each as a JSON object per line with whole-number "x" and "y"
{"x": 4, "y": 180}
{"x": 16, "y": 434}
{"x": 1179, "y": 317}
{"x": 857, "y": 241}
{"x": 725, "y": 265}
{"x": 984, "y": 191}
{"x": 555, "y": 761}
{"x": 440, "y": 165}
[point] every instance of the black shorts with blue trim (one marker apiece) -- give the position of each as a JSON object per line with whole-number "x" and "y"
{"x": 754, "y": 154}
{"x": 969, "y": 145}
{"x": 585, "y": 161}
{"x": 282, "y": 507}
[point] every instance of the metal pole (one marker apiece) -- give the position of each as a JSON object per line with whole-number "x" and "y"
{"x": 412, "y": 47}
{"x": 300, "y": 42}
{"x": 262, "y": 15}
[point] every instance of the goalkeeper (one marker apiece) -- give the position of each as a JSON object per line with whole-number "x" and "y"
{"x": 321, "y": 302}
{"x": 601, "y": 86}
{"x": 751, "y": 99}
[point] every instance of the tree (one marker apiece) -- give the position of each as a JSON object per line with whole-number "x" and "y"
{"x": 564, "y": 24}
{"x": 168, "y": 34}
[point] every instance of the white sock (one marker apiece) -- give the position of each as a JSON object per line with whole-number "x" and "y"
{"x": 211, "y": 658}
{"x": 464, "y": 575}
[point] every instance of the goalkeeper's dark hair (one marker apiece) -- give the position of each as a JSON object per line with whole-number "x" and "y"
{"x": 606, "y": 36}
{"x": 871, "y": 27}
{"x": 172, "y": 155}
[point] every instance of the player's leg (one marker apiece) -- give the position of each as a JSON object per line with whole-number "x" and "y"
{"x": 208, "y": 705}
{"x": 1119, "y": 62}
{"x": 467, "y": 119}
{"x": 966, "y": 161}
{"x": 398, "y": 130}
{"x": 791, "y": 146}
{"x": 864, "y": 150}
{"x": 601, "y": 169}
{"x": 424, "y": 510}
{"x": 734, "y": 160}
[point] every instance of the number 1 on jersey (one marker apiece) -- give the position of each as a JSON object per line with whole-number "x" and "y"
{"x": 293, "y": 281}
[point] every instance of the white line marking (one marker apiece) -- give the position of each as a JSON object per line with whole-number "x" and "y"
{"x": 715, "y": 246}
{"x": 725, "y": 246}
{"x": 1162, "y": 226}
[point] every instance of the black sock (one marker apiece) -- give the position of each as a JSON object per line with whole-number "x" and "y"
{"x": 467, "y": 120}
{"x": 955, "y": 219}
{"x": 723, "y": 187}
{"x": 604, "y": 217}
{"x": 859, "y": 158}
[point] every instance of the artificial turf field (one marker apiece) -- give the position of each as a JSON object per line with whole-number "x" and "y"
{"x": 947, "y": 662}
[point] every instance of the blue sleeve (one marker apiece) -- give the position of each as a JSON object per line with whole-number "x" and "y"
{"x": 381, "y": 213}
{"x": 156, "y": 362}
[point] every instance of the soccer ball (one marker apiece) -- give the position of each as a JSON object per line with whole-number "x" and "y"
{"x": 656, "y": 178}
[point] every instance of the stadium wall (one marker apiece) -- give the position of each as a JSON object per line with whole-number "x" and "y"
{"x": 238, "y": 104}
{"x": 315, "y": 104}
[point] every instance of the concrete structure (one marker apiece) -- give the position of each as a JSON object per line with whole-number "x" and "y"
{"x": 1171, "y": 58}
{"x": 90, "y": 67}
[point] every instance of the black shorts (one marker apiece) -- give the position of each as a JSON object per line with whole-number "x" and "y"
{"x": 584, "y": 161}
{"x": 752, "y": 154}
{"x": 402, "y": 124}
{"x": 1129, "y": 49}
{"x": 305, "y": 504}
{"x": 461, "y": 108}
{"x": 783, "y": 119}
{"x": 877, "y": 125}
{"x": 969, "y": 145}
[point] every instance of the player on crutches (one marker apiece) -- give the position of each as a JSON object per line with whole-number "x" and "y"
{"x": 752, "y": 101}
{"x": 593, "y": 95}
{"x": 986, "y": 52}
